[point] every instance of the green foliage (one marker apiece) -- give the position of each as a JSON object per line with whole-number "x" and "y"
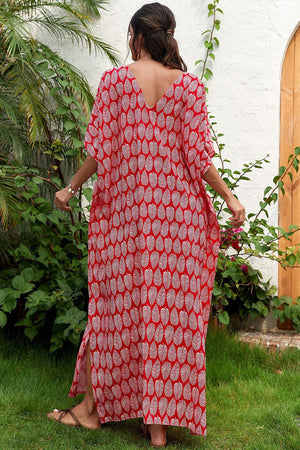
{"x": 239, "y": 287}
{"x": 287, "y": 309}
{"x": 27, "y": 70}
{"x": 45, "y": 285}
{"x": 211, "y": 42}
{"x": 44, "y": 106}
{"x": 44, "y": 100}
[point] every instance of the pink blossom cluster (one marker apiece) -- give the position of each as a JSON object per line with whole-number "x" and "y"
{"x": 231, "y": 238}
{"x": 244, "y": 267}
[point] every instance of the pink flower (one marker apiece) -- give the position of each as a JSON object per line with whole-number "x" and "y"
{"x": 237, "y": 230}
{"x": 231, "y": 238}
{"x": 232, "y": 258}
{"x": 244, "y": 268}
{"x": 236, "y": 245}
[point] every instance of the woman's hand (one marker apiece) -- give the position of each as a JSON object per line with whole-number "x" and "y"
{"x": 61, "y": 199}
{"x": 88, "y": 168}
{"x": 238, "y": 211}
{"x": 213, "y": 178}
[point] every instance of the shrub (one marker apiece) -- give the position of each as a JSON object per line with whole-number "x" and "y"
{"x": 44, "y": 106}
{"x": 239, "y": 287}
{"x": 44, "y": 286}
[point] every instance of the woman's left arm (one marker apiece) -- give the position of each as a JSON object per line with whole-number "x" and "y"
{"x": 88, "y": 168}
{"x": 213, "y": 178}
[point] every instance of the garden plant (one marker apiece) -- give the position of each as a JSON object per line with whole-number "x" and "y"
{"x": 45, "y": 103}
{"x": 239, "y": 286}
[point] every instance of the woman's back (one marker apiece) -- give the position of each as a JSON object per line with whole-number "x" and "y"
{"x": 153, "y": 78}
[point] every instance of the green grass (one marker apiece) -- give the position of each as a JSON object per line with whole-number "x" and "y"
{"x": 253, "y": 401}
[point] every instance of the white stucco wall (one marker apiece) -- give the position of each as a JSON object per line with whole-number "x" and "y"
{"x": 244, "y": 93}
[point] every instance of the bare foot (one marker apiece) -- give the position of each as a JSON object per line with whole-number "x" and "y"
{"x": 86, "y": 418}
{"x": 158, "y": 434}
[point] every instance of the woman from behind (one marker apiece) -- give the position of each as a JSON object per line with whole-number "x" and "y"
{"x": 153, "y": 240}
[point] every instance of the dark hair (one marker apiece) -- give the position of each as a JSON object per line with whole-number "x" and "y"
{"x": 156, "y": 23}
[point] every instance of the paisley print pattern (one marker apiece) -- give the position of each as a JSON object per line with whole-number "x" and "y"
{"x": 153, "y": 246}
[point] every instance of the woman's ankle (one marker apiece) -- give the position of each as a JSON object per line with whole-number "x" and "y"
{"x": 158, "y": 433}
{"x": 90, "y": 404}
{"x": 157, "y": 429}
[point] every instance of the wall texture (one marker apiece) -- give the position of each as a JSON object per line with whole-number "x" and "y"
{"x": 244, "y": 93}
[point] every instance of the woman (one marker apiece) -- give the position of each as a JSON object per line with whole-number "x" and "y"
{"x": 153, "y": 240}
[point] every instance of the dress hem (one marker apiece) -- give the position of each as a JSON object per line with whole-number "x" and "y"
{"x": 139, "y": 415}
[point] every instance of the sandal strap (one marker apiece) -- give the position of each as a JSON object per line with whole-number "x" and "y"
{"x": 69, "y": 411}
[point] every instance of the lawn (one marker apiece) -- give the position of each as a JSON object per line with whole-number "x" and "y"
{"x": 253, "y": 401}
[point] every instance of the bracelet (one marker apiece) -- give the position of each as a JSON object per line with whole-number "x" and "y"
{"x": 71, "y": 190}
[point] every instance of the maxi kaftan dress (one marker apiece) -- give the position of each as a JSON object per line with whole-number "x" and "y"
{"x": 153, "y": 245}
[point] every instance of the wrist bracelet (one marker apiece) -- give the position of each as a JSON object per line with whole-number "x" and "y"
{"x": 71, "y": 190}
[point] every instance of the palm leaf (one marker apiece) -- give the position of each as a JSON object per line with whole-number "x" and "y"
{"x": 30, "y": 95}
{"x": 12, "y": 133}
{"x": 74, "y": 24}
{"x": 9, "y": 201}
{"x": 26, "y": 83}
{"x": 90, "y": 7}
{"x": 75, "y": 77}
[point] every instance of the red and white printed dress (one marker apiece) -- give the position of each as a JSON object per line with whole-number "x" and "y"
{"x": 153, "y": 247}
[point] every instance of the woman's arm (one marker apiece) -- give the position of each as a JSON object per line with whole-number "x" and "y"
{"x": 88, "y": 168}
{"x": 213, "y": 178}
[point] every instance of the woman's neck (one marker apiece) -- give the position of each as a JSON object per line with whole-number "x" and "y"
{"x": 144, "y": 56}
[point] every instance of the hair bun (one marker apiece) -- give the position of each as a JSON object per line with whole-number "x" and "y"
{"x": 155, "y": 23}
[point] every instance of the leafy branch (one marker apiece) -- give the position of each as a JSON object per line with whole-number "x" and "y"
{"x": 211, "y": 41}
{"x": 278, "y": 180}
{"x": 238, "y": 286}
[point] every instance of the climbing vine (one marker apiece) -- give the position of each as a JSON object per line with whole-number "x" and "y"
{"x": 211, "y": 41}
{"x": 239, "y": 287}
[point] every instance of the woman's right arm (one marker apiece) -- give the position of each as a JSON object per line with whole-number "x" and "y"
{"x": 88, "y": 168}
{"x": 213, "y": 178}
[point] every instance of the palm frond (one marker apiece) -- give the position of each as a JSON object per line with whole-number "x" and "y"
{"x": 90, "y": 7}
{"x": 28, "y": 102}
{"x": 13, "y": 36}
{"x": 12, "y": 139}
{"x": 73, "y": 24}
{"x": 9, "y": 201}
{"x": 12, "y": 133}
{"x": 8, "y": 102}
{"x": 63, "y": 69}
{"x": 26, "y": 83}
{"x": 62, "y": 27}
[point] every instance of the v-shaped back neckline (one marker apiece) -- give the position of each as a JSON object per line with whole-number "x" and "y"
{"x": 163, "y": 96}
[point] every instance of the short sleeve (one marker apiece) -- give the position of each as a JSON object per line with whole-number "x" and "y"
{"x": 197, "y": 137}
